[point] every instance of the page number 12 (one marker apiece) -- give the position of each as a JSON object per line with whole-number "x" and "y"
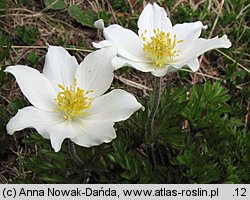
{"x": 241, "y": 192}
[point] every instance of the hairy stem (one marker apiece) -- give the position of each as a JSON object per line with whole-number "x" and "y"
{"x": 73, "y": 154}
{"x": 156, "y": 101}
{"x": 77, "y": 160}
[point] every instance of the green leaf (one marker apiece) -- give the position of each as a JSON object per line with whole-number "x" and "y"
{"x": 4, "y": 46}
{"x": 105, "y": 16}
{"x": 17, "y": 104}
{"x": 54, "y": 4}
{"x": 2, "y": 6}
{"x": 33, "y": 58}
{"x": 2, "y": 77}
{"x": 27, "y": 34}
{"x": 206, "y": 105}
{"x": 3, "y": 117}
{"x": 86, "y": 18}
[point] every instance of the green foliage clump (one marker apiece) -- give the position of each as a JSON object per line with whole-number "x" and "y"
{"x": 4, "y": 47}
{"x": 119, "y": 4}
{"x": 205, "y": 109}
{"x": 54, "y": 5}
{"x": 28, "y": 35}
{"x": 85, "y": 18}
{"x": 32, "y": 58}
{"x": 88, "y": 18}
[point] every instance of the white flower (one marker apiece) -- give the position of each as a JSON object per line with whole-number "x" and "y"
{"x": 68, "y": 100}
{"x": 159, "y": 47}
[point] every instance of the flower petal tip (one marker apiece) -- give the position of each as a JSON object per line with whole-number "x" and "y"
{"x": 205, "y": 27}
{"x": 56, "y": 147}
{"x": 9, "y": 129}
{"x": 102, "y": 44}
{"x": 117, "y": 63}
{"x": 155, "y": 5}
{"x": 226, "y": 41}
{"x": 56, "y": 150}
{"x": 99, "y": 24}
{"x": 6, "y": 70}
{"x": 9, "y": 68}
{"x": 50, "y": 47}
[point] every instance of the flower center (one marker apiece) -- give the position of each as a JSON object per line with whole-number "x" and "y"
{"x": 160, "y": 49}
{"x": 72, "y": 101}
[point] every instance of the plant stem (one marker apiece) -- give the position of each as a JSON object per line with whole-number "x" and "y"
{"x": 77, "y": 160}
{"x": 156, "y": 101}
{"x": 73, "y": 154}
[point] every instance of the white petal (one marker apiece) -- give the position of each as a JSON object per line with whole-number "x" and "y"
{"x": 193, "y": 64}
{"x": 127, "y": 42}
{"x": 31, "y": 117}
{"x": 188, "y": 31}
{"x": 159, "y": 72}
{"x": 61, "y": 131}
{"x": 92, "y": 133}
{"x": 99, "y": 24}
{"x": 200, "y": 46}
{"x": 96, "y": 71}
{"x": 34, "y": 85}
{"x": 50, "y": 125}
{"x": 102, "y": 44}
{"x": 60, "y": 67}
{"x": 153, "y": 17}
{"x": 119, "y": 62}
{"x": 115, "y": 106}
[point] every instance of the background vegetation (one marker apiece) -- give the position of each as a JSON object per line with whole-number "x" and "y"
{"x": 203, "y": 122}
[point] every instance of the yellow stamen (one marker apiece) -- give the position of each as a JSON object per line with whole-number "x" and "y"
{"x": 160, "y": 49}
{"x": 72, "y": 101}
